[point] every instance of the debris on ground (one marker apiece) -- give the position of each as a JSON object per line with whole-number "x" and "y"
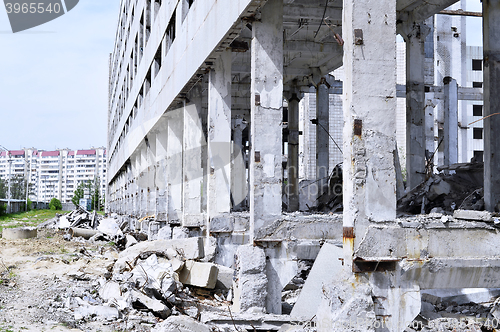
{"x": 459, "y": 186}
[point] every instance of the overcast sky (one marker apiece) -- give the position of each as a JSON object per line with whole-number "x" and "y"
{"x": 54, "y": 77}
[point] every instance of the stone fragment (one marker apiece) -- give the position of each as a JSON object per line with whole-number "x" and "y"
{"x": 473, "y": 215}
{"x": 191, "y": 248}
{"x": 165, "y": 233}
{"x": 109, "y": 227}
{"x": 157, "y": 307}
{"x": 130, "y": 241}
{"x": 199, "y": 274}
{"x": 180, "y": 324}
{"x": 225, "y": 276}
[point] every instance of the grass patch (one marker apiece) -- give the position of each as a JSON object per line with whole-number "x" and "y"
{"x": 30, "y": 218}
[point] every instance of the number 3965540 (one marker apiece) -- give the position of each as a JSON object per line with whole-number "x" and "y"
{"x": 32, "y": 8}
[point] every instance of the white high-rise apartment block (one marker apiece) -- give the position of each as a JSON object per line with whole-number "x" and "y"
{"x": 55, "y": 173}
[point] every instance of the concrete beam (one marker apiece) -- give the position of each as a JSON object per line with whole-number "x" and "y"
{"x": 175, "y": 128}
{"x": 322, "y": 137}
{"x": 491, "y": 42}
{"x": 293, "y": 152}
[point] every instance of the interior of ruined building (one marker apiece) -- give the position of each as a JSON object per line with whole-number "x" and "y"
{"x": 207, "y": 138}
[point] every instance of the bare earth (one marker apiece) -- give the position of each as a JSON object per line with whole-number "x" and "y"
{"x": 39, "y": 276}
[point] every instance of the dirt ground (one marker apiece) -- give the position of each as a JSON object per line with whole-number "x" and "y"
{"x": 39, "y": 276}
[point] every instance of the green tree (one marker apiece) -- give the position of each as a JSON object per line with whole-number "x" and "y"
{"x": 55, "y": 204}
{"x": 95, "y": 194}
{"x": 78, "y": 194}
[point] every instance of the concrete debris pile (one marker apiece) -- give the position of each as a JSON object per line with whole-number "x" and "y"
{"x": 459, "y": 186}
{"x": 458, "y": 310}
{"x": 154, "y": 280}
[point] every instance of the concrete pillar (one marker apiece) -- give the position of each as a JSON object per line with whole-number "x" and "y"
{"x": 293, "y": 152}
{"x": 369, "y": 117}
{"x": 219, "y": 136}
{"x": 491, "y": 48}
{"x": 415, "y": 104}
{"x": 192, "y": 163}
{"x": 322, "y": 136}
{"x": 266, "y": 117}
{"x": 239, "y": 185}
{"x": 450, "y": 131}
{"x": 175, "y": 129}
{"x": 160, "y": 172}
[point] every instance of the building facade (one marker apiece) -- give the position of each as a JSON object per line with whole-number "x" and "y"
{"x": 55, "y": 173}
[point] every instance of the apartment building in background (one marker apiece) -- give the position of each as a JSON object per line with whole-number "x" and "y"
{"x": 55, "y": 173}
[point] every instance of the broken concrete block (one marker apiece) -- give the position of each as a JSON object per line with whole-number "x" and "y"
{"x": 191, "y": 248}
{"x": 241, "y": 224}
{"x": 307, "y": 250}
{"x": 151, "y": 273}
{"x": 250, "y": 287}
{"x": 180, "y": 324}
{"x": 473, "y": 215}
{"x": 64, "y": 222}
{"x": 438, "y": 188}
{"x": 103, "y": 312}
{"x": 199, "y": 274}
{"x": 109, "y": 227}
{"x": 324, "y": 270}
{"x": 165, "y": 233}
{"x": 459, "y": 296}
{"x": 252, "y": 259}
{"x": 130, "y": 241}
{"x": 154, "y": 305}
{"x": 110, "y": 291}
{"x": 222, "y": 224}
{"x": 180, "y": 233}
{"x": 225, "y": 276}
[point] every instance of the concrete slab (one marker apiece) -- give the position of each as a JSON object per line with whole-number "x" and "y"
{"x": 460, "y": 296}
{"x": 325, "y": 269}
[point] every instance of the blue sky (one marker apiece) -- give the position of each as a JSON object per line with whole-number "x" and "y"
{"x": 54, "y": 78}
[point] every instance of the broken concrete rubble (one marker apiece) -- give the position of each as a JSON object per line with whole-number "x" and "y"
{"x": 199, "y": 274}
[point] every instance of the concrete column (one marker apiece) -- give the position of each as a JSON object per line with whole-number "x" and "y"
{"x": 293, "y": 152}
{"x": 161, "y": 171}
{"x": 322, "y": 137}
{"x": 415, "y": 104}
{"x": 450, "y": 131}
{"x": 266, "y": 118}
{"x": 192, "y": 164}
{"x": 219, "y": 136}
{"x": 175, "y": 129}
{"x": 239, "y": 185}
{"x": 491, "y": 48}
{"x": 369, "y": 117}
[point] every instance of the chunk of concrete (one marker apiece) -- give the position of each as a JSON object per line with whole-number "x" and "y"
{"x": 222, "y": 224}
{"x": 103, "y": 312}
{"x": 325, "y": 269}
{"x": 191, "y": 248}
{"x": 151, "y": 273}
{"x": 225, "y": 276}
{"x": 307, "y": 250}
{"x": 473, "y": 215}
{"x": 199, "y": 274}
{"x": 165, "y": 233}
{"x": 130, "y": 241}
{"x": 154, "y": 305}
{"x": 437, "y": 189}
{"x": 64, "y": 222}
{"x": 19, "y": 233}
{"x": 180, "y": 324}
{"x": 109, "y": 227}
{"x": 110, "y": 291}
{"x": 250, "y": 287}
{"x": 460, "y": 296}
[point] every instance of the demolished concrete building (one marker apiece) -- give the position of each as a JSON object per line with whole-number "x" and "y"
{"x": 196, "y": 131}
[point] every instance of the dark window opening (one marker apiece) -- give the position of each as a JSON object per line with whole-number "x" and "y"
{"x": 147, "y": 82}
{"x": 478, "y": 156}
{"x": 477, "y": 84}
{"x": 148, "y": 21}
{"x": 477, "y": 110}
{"x": 157, "y": 60}
{"x": 190, "y": 3}
{"x": 477, "y": 133}
{"x": 477, "y": 64}
{"x": 170, "y": 33}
